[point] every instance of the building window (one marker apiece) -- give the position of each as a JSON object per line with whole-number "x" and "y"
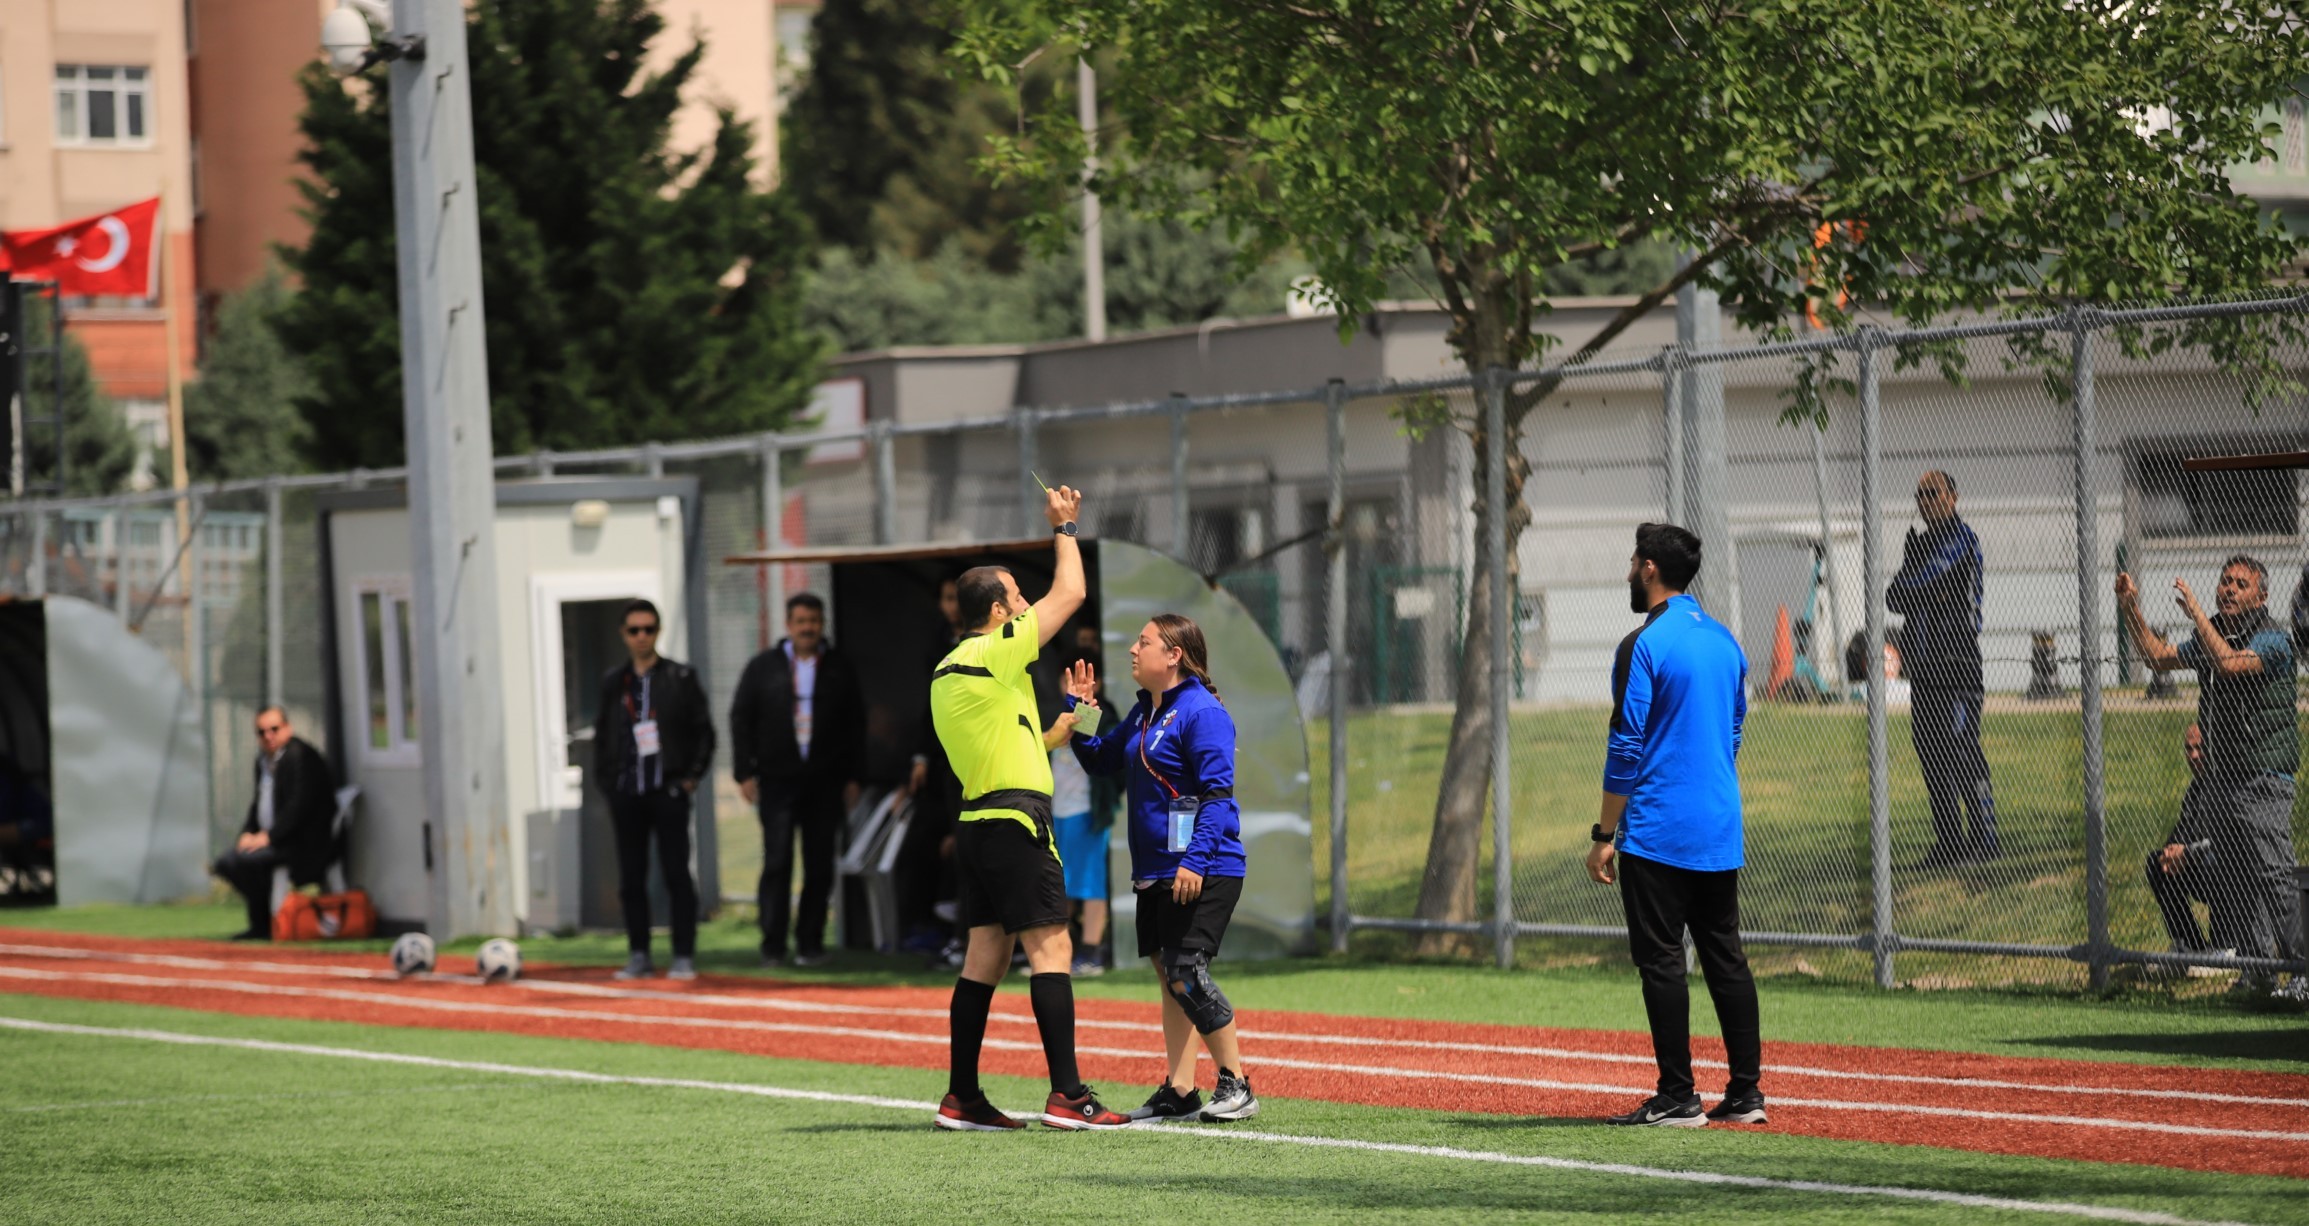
{"x": 103, "y": 104}
{"x": 2222, "y": 506}
{"x": 388, "y": 673}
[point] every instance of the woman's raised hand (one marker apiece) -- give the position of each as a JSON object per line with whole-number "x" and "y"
{"x": 1082, "y": 682}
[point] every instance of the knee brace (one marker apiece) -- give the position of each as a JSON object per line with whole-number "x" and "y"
{"x": 1187, "y": 976}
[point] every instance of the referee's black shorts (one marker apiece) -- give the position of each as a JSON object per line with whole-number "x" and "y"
{"x": 1165, "y": 923}
{"x": 1007, "y": 875}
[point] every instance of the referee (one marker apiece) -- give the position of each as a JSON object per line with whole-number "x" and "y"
{"x": 1012, "y": 888}
{"x": 1671, "y": 816}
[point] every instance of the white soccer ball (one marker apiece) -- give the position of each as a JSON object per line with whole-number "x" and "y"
{"x": 412, "y": 954}
{"x": 499, "y": 961}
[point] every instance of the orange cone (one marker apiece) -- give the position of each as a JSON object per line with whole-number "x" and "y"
{"x": 1783, "y": 656}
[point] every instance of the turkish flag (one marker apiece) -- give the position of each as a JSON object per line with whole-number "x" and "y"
{"x": 111, "y": 253}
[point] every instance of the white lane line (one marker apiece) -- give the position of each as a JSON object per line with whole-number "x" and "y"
{"x": 899, "y": 1036}
{"x": 774, "y": 1004}
{"x": 2106, "y": 1213}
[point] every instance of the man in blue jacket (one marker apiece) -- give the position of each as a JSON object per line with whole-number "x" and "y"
{"x": 1671, "y": 818}
{"x": 1938, "y": 591}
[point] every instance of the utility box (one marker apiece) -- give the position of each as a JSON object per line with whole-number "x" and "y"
{"x": 554, "y": 875}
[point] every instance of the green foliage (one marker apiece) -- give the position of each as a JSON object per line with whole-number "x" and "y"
{"x": 99, "y": 451}
{"x": 240, "y": 417}
{"x": 1158, "y": 274}
{"x": 1991, "y": 158}
{"x": 634, "y": 293}
{"x": 880, "y": 140}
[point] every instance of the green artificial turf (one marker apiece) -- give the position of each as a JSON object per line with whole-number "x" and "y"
{"x": 106, "y": 1129}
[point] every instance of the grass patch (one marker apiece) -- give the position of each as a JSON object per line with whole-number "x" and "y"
{"x": 113, "y": 1130}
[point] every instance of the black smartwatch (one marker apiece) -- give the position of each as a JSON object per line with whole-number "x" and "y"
{"x": 1595, "y": 834}
{"x": 1065, "y": 529}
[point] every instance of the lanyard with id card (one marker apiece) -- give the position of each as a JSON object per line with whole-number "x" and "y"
{"x": 1179, "y": 829}
{"x": 645, "y": 741}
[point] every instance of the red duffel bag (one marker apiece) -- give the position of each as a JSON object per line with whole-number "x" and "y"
{"x": 325, "y": 917}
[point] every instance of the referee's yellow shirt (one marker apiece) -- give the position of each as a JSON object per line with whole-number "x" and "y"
{"x": 982, "y": 703}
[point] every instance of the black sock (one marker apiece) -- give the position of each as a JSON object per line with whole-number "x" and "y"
{"x": 967, "y": 1019}
{"x": 1053, "y": 996}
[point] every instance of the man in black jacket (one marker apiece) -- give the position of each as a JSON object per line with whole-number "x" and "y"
{"x": 797, "y": 740}
{"x": 288, "y": 824}
{"x": 652, "y": 743}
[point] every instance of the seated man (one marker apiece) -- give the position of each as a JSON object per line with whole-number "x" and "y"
{"x": 288, "y": 824}
{"x": 2182, "y": 872}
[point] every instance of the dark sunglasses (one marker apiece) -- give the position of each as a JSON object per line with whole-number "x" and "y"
{"x": 273, "y": 731}
{"x": 635, "y": 632}
{"x": 1924, "y": 494}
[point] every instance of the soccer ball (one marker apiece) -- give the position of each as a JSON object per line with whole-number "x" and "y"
{"x": 412, "y": 954}
{"x": 499, "y": 961}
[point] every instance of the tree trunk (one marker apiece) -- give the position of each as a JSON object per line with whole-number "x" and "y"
{"x": 1447, "y": 889}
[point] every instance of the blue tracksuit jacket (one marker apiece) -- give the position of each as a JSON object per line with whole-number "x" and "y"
{"x": 1679, "y": 697}
{"x": 1190, "y": 752}
{"x": 1939, "y": 590}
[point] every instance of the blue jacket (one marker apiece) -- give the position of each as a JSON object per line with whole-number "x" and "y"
{"x": 1190, "y": 753}
{"x": 1938, "y": 590}
{"x": 1679, "y": 696}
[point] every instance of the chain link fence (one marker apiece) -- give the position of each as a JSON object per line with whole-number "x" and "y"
{"x": 1957, "y": 764}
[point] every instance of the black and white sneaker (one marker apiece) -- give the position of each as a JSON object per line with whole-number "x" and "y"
{"x": 1232, "y": 1100}
{"x": 1746, "y": 1108}
{"x": 1662, "y": 1111}
{"x": 1168, "y": 1104}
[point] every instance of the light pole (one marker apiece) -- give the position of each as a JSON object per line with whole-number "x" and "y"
{"x": 452, "y": 495}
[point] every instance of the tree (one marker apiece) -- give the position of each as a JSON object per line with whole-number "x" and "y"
{"x": 240, "y": 416}
{"x": 99, "y": 450}
{"x": 1962, "y": 157}
{"x": 1159, "y": 274}
{"x": 632, "y": 292}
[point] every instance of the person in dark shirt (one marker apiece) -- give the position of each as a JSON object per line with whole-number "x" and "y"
{"x": 652, "y": 742}
{"x": 797, "y": 747}
{"x": 2242, "y": 795}
{"x": 1938, "y": 591}
{"x": 289, "y": 823}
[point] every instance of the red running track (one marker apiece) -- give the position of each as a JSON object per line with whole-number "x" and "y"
{"x": 2244, "y": 1122}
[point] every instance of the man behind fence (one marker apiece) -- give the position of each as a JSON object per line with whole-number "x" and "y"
{"x": 1938, "y": 591}
{"x": 1671, "y": 816}
{"x": 2244, "y": 663}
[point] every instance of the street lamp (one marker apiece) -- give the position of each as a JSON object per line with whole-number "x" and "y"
{"x": 463, "y": 817}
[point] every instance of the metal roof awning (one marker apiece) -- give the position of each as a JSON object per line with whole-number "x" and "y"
{"x": 915, "y": 552}
{"x": 2264, "y": 462}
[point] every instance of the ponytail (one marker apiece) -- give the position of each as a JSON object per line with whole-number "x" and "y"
{"x": 1182, "y": 635}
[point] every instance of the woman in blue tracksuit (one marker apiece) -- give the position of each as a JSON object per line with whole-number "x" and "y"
{"x": 1176, "y": 751}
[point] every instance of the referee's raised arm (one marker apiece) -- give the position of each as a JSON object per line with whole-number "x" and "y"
{"x": 1068, "y": 589}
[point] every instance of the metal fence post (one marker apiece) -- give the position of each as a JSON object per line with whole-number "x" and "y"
{"x": 2088, "y": 600}
{"x": 541, "y": 462}
{"x": 652, "y": 460}
{"x": 118, "y": 522}
{"x": 1502, "y": 668}
{"x": 1179, "y": 521}
{"x": 885, "y": 484}
{"x": 275, "y": 596}
{"x": 36, "y": 570}
{"x": 1030, "y": 499}
{"x": 1882, "y": 941}
{"x": 1335, "y": 636}
{"x": 1672, "y": 419}
{"x": 773, "y": 531}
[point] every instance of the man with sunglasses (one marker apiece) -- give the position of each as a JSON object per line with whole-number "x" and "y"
{"x": 1938, "y": 591}
{"x": 652, "y": 742}
{"x": 288, "y": 822}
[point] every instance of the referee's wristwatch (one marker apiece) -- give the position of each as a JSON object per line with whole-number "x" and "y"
{"x": 1065, "y": 529}
{"x": 1595, "y": 834}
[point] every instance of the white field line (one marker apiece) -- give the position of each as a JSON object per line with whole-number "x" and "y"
{"x": 185, "y": 962}
{"x": 899, "y": 1036}
{"x": 2106, "y": 1213}
{"x": 774, "y": 1004}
